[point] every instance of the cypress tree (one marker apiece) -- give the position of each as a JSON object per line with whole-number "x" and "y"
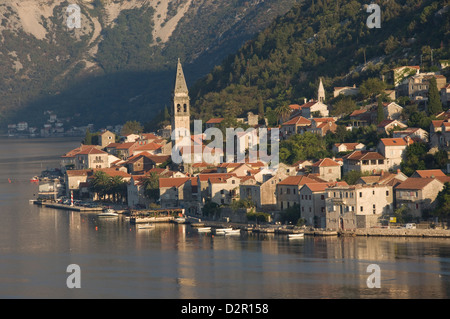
{"x": 434, "y": 99}
{"x": 380, "y": 111}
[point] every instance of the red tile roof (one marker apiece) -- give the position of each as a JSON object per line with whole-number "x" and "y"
{"x": 400, "y": 141}
{"x": 430, "y": 173}
{"x": 148, "y": 147}
{"x": 326, "y": 162}
{"x": 172, "y": 181}
{"x": 297, "y": 180}
{"x": 413, "y": 183}
{"x": 298, "y": 120}
{"x": 364, "y": 155}
{"x": 216, "y": 120}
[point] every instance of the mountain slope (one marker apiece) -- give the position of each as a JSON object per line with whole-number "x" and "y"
{"x": 120, "y": 64}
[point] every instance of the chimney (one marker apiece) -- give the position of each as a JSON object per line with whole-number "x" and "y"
{"x": 304, "y": 100}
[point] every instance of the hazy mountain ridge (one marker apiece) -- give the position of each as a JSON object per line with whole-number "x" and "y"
{"x": 48, "y": 66}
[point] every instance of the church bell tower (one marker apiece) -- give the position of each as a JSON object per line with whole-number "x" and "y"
{"x": 181, "y": 105}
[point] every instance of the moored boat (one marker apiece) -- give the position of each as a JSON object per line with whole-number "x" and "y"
{"x": 147, "y": 226}
{"x": 204, "y": 229}
{"x": 296, "y": 236}
{"x": 222, "y": 231}
{"x": 108, "y": 213}
{"x": 233, "y": 232}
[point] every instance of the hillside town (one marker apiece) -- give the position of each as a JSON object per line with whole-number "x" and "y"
{"x": 315, "y": 192}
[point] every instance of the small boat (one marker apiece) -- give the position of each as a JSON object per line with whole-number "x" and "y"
{"x": 233, "y": 232}
{"x": 204, "y": 229}
{"x": 296, "y": 236}
{"x": 34, "y": 179}
{"x": 180, "y": 220}
{"x": 108, "y": 213}
{"x": 147, "y": 226}
{"x": 222, "y": 231}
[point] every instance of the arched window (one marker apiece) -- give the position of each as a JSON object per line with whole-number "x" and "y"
{"x": 185, "y": 107}
{"x": 178, "y": 108}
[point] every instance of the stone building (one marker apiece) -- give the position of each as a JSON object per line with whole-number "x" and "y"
{"x": 327, "y": 169}
{"x": 418, "y": 194}
{"x": 358, "y": 206}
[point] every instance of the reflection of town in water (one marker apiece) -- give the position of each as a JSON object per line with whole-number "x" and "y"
{"x": 175, "y": 261}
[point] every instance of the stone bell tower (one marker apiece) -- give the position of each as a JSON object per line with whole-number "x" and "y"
{"x": 181, "y": 112}
{"x": 321, "y": 93}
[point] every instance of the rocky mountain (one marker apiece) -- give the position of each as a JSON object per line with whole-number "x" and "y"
{"x": 108, "y": 61}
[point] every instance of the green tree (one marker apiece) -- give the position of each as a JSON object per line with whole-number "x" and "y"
{"x": 302, "y": 147}
{"x": 131, "y": 127}
{"x": 442, "y": 210}
{"x": 344, "y": 106}
{"x": 372, "y": 87}
{"x": 434, "y": 99}
{"x": 282, "y": 112}
{"x": 151, "y": 186}
{"x": 100, "y": 184}
{"x": 87, "y": 137}
{"x": 380, "y": 111}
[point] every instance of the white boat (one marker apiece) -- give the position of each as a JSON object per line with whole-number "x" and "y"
{"x": 180, "y": 220}
{"x": 203, "y": 229}
{"x": 296, "y": 236}
{"x": 222, "y": 231}
{"x": 108, "y": 213}
{"x": 147, "y": 226}
{"x": 233, "y": 232}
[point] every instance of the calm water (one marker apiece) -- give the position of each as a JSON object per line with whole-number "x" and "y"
{"x": 171, "y": 261}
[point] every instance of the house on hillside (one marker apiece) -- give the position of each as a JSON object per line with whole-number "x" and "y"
{"x": 106, "y": 138}
{"x": 386, "y": 126}
{"x": 327, "y": 169}
{"x": 394, "y": 149}
{"x": 296, "y": 125}
{"x": 347, "y": 147}
{"x": 364, "y": 161}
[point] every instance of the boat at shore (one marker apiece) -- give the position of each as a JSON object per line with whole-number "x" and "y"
{"x": 203, "y": 229}
{"x": 296, "y": 236}
{"x": 109, "y": 212}
{"x": 147, "y": 226}
{"x": 222, "y": 231}
{"x": 233, "y": 232}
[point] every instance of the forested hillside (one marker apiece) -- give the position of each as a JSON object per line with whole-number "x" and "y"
{"x": 327, "y": 39}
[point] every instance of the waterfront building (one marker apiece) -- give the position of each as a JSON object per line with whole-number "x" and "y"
{"x": 418, "y": 194}
{"x": 358, "y": 206}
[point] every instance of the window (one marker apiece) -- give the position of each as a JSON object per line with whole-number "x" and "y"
{"x": 387, "y": 193}
{"x": 322, "y": 196}
{"x": 233, "y": 182}
{"x": 360, "y": 195}
{"x": 288, "y": 191}
{"x": 361, "y": 209}
{"x": 222, "y": 191}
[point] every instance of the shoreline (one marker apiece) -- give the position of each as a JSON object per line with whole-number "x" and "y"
{"x": 398, "y": 232}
